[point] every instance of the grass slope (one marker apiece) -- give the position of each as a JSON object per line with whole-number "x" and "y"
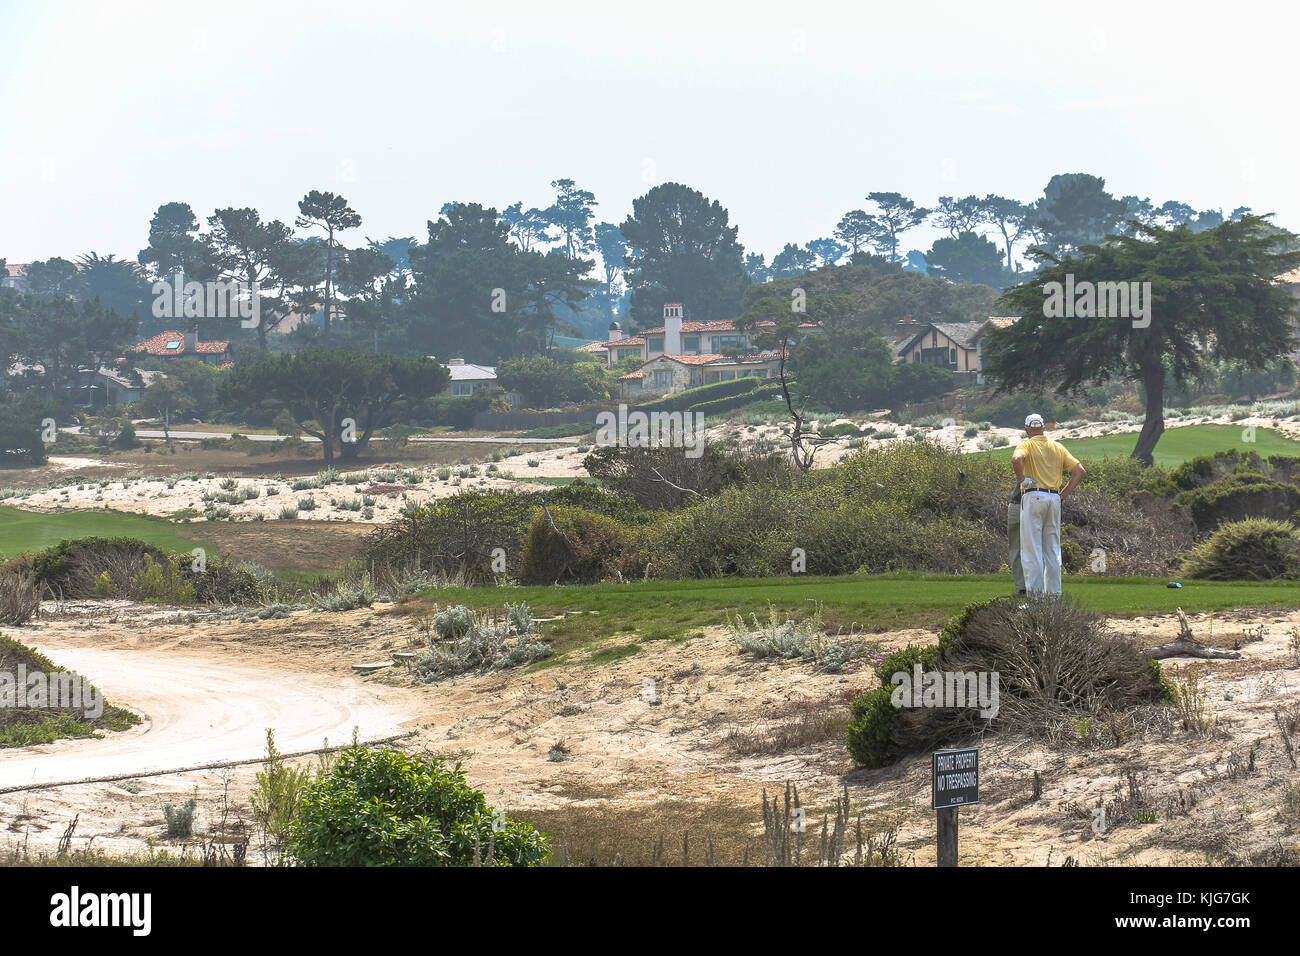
{"x": 27, "y": 726}
{"x": 659, "y": 610}
{"x": 32, "y": 531}
{"x": 1176, "y": 445}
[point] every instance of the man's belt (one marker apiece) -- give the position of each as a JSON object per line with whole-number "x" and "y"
{"x": 1047, "y": 491}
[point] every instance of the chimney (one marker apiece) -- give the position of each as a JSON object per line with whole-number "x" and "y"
{"x": 456, "y": 361}
{"x": 908, "y": 326}
{"x": 615, "y": 331}
{"x": 191, "y": 341}
{"x": 673, "y": 328}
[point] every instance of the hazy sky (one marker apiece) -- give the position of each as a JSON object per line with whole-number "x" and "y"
{"x": 788, "y": 113}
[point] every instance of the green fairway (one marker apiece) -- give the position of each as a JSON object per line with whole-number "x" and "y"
{"x": 657, "y": 610}
{"x": 31, "y": 531}
{"x": 1176, "y": 445}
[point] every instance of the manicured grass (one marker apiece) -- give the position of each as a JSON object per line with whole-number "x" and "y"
{"x": 658, "y": 610}
{"x": 32, "y": 531}
{"x": 1176, "y": 445}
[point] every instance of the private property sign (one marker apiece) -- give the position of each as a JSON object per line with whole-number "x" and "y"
{"x": 956, "y": 778}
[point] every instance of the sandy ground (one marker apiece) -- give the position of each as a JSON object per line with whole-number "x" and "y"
{"x": 422, "y": 484}
{"x": 1200, "y": 797}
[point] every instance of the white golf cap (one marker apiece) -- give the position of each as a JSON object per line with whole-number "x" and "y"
{"x": 1034, "y": 421}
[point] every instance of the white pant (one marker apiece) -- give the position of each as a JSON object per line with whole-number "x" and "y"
{"x": 1040, "y": 542}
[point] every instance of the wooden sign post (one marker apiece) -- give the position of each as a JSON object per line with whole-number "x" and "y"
{"x": 954, "y": 782}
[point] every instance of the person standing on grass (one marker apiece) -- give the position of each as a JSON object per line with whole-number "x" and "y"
{"x": 1040, "y": 465}
{"x": 1013, "y": 542}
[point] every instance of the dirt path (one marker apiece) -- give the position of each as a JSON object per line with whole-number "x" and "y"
{"x": 199, "y": 711}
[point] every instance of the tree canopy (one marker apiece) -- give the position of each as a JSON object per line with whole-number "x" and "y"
{"x": 1212, "y": 294}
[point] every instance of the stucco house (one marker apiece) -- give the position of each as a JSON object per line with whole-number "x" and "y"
{"x": 679, "y": 335}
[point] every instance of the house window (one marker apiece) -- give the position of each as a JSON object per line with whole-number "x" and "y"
{"x": 663, "y": 379}
{"x": 721, "y": 342}
{"x": 462, "y": 388}
{"x": 691, "y": 343}
{"x": 628, "y": 353}
{"x": 952, "y": 356}
{"x": 657, "y": 345}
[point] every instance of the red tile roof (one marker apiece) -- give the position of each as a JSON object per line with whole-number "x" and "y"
{"x": 157, "y": 345}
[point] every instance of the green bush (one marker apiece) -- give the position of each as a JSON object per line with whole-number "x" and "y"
{"x": 580, "y": 548}
{"x": 20, "y": 429}
{"x": 82, "y": 568}
{"x": 1009, "y": 411}
{"x": 655, "y": 477}
{"x": 719, "y": 406}
{"x": 1122, "y": 478}
{"x": 455, "y": 412}
{"x": 161, "y": 582}
{"x": 871, "y": 724}
{"x": 180, "y": 820}
{"x": 906, "y": 507}
{"x": 458, "y": 534}
{"x": 126, "y": 437}
{"x": 1257, "y": 549}
{"x": 1205, "y": 469}
{"x": 1237, "y": 496}
{"x": 383, "y": 808}
{"x": 455, "y": 535}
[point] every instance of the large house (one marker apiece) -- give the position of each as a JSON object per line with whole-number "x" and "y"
{"x": 682, "y": 354}
{"x": 679, "y": 335}
{"x": 957, "y": 346}
{"x": 14, "y": 276}
{"x": 171, "y": 345}
{"x": 665, "y": 374}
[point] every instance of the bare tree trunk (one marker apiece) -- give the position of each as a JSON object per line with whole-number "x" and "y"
{"x": 1153, "y": 381}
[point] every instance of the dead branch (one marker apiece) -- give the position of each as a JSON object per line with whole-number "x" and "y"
{"x": 675, "y": 487}
{"x": 1186, "y": 645}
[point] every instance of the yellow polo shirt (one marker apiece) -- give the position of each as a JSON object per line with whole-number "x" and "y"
{"x": 1046, "y": 461}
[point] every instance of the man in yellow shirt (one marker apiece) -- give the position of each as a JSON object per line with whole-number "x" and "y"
{"x": 1040, "y": 465}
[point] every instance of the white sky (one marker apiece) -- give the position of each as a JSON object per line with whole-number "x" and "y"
{"x": 787, "y": 113}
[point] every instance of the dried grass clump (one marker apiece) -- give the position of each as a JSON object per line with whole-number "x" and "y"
{"x": 20, "y": 600}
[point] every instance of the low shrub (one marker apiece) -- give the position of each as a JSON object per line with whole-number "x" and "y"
{"x": 1055, "y": 663}
{"x": 180, "y": 820}
{"x": 1237, "y": 496}
{"x": 483, "y": 644}
{"x": 384, "y": 808}
{"x": 86, "y": 568}
{"x": 571, "y": 546}
{"x": 278, "y": 792}
{"x": 25, "y": 725}
{"x": 20, "y": 599}
{"x": 1205, "y": 469}
{"x": 1257, "y": 549}
{"x": 791, "y": 639}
